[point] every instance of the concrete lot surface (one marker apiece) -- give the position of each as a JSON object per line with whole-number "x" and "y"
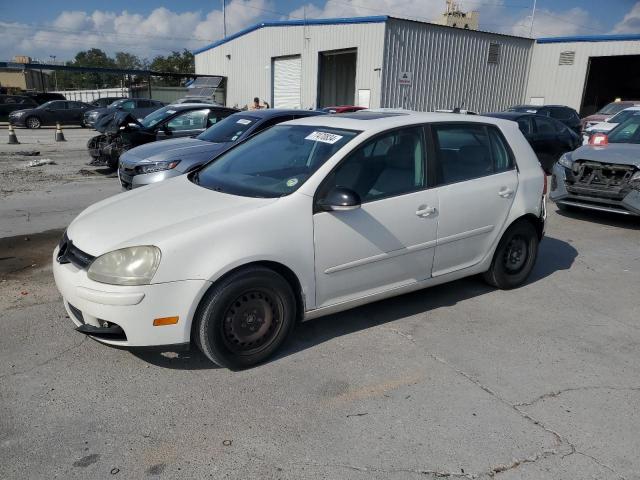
{"x": 459, "y": 381}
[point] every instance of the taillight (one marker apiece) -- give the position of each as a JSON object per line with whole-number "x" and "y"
{"x": 544, "y": 188}
{"x": 599, "y": 139}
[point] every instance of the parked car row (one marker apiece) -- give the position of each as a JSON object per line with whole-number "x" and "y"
{"x": 121, "y": 131}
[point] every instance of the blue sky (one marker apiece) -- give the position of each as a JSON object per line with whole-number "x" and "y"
{"x": 42, "y": 28}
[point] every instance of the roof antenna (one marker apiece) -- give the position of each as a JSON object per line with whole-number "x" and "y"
{"x": 224, "y": 18}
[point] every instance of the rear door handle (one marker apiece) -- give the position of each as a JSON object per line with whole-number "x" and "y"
{"x": 424, "y": 211}
{"x": 505, "y": 192}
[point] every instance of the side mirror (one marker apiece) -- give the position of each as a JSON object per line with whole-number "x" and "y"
{"x": 339, "y": 199}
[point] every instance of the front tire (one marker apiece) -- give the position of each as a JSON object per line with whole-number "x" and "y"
{"x": 515, "y": 256}
{"x": 32, "y": 122}
{"x": 245, "y": 318}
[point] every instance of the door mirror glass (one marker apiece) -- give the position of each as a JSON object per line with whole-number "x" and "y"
{"x": 339, "y": 199}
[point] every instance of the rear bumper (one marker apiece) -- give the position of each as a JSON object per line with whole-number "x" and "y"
{"x": 627, "y": 205}
{"x": 123, "y": 316}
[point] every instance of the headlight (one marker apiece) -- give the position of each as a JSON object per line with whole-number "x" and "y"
{"x": 127, "y": 266}
{"x": 635, "y": 177}
{"x": 157, "y": 166}
{"x": 18, "y": 114}
{"x": 565, "y": 161}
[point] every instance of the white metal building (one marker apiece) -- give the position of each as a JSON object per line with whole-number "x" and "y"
{"x": 584, "y": 72}
{"x": 369, "y": 61}
{"x": 390, "y": 62}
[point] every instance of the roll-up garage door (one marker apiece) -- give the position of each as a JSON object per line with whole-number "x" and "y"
{"x": 287, "y": 73}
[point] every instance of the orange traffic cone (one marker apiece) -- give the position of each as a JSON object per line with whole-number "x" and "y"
{"x": 13, "y": 140}
{"x": 59, "y": 134}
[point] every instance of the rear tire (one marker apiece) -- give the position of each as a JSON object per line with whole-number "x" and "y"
{"x": 32, "y": 122}
{"x": 245, "y": 318}
{"x": 515, "y": 256}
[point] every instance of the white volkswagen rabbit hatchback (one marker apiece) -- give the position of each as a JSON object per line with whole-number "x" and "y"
{"x": 308, "y": 218}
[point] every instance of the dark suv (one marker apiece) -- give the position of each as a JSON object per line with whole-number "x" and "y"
{"x": 563, "y": 114}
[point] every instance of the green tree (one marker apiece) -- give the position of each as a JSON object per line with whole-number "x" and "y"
{"x": 127, "y": 60}
{"x": 175, "y": 62}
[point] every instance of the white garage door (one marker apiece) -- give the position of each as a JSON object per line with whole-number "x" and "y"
{"x": 287, "y": 73}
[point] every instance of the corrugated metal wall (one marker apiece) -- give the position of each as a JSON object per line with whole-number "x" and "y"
{"x": 248, "y": 67}
{"x": 449, "y": 68}
{"x": 564, "y": 84}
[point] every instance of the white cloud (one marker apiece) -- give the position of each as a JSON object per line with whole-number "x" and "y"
{"x": 163, "y": 30}
{"x": 549, "y": 23}
{"x": 159, "y": 32}
{"x": 631, "y": 21}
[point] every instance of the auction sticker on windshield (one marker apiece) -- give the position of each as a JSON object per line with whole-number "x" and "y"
{"x": 244, "y": 121}
{"x": 324, "y": 137}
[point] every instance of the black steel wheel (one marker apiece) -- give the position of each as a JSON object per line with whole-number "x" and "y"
{"x": 514, "y": 257}
{"x": 32, "y": 122}
{"x": 245, "y": 317}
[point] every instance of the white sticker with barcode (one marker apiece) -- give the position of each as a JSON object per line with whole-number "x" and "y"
{"x": 244, "y": 121}
{"x": 324, "y": 137}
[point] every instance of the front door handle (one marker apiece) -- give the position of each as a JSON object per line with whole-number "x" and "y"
{"x": 425, "y": 211}
{"x": 505, "y": 192}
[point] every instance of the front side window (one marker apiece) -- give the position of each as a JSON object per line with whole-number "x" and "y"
{"x": 524, "y": 124}
{"x": 391, "y": 164}
{"x": 55, "y": 105}
{"x": 192, "y": 120}
{"x": 275, "y": 163}
{"x": 156, "y": 117}
{"x": 545, "y": 127}
{"x": 467, "y": 151}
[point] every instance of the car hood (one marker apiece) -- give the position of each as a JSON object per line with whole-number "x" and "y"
{"x": 156, "y": 214}
{"x": 186, "y": 149}
{"x": 620, "y": 153}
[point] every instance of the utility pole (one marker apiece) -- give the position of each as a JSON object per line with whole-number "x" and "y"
{"x": 533, "y": 16}
{"x": 55, "y": 72}
{"x": 224, "y": 19}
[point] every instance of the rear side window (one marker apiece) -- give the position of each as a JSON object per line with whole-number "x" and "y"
{"x": 467, "y": 151}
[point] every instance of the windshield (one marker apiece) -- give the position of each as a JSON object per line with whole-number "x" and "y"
{"x": 228, "y": 130}
{"x": 612, "y": 108}
{"x": 626, "y": 132}
{"x": 275, "y": 163}
{"x": 622, "y": 116}
{"x": 156, "y": 117}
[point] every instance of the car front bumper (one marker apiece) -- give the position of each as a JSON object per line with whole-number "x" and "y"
{"x": 17, "y": 121}
{"x": 628, "y": 205}
{"x": 129, "y": 310}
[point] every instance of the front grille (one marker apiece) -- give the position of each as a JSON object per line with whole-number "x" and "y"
{"x": 606, "y": 180}
{"x": 69, "y": 253}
